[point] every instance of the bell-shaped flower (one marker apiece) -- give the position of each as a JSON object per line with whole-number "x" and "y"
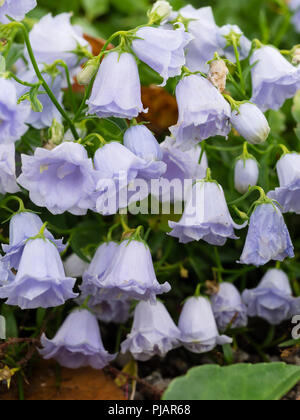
{"x": 15, "y": 9}
{"x": 154, "y": 333}
{"x": 274, "y": 79}
{"x": 203, "y": 112}
{"x": 244, "y": 44}
{"x": 251, "y": 123}
{"x": 183, "y": 168}
{"x": 228, "y": 308}
{"x": 55, "y": 38}
{"x": 206, "y": 216}
{"x": 22, "y": 227}
{"x": 6, "y": 275}
{"x": 162, "y": 49}
{"x": 78, "y": 343}
{"x": 8, "y": 182}
{"x": 203, "y": 28}
{"x": 117, "y": 89}
{"x": 41, "y": 281}
{"x": 160, "y": 11}
{"x": 44, "y": 119}
{"x": 61, "y": 179}
{"x": 246, "y": 174}
{"x": 131, "y": 274}
{"x": 272, "y": 300}
{"x": 13, "y": 116}
{"x": 268, "y": 237}
{"x": 199, "y": 332}
{"x": 74, "y": 266}
{"x": 288, "y": 195}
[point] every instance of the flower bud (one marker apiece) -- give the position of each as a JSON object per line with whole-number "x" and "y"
{"x": 218, "y": 74}
{"x": 88, "y": 72}
{"x": 251, "y": 123}
{"x": 161, "y": 10}
{"x": 246, "y": 174}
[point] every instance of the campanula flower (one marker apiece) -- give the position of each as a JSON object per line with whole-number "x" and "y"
{"x": 131, "y": 274}
{"x": 117, "y": 89}
{"x": 61, "y": 179}
{"x": 78, "y": 343}
{"x": 15, "y": 9}
{"x": 74, "y": 266}
{"x": 154, "y": 333}
{"x": 6, "y": 275}
{"x": 22, "y": 227}
{"x": 206, "y": 217}
{"x": 274, "y": 79}
{"x": 228, "y": 308}
{"x": 8, "y": 182}
{"x": 55, "y": 38}
{"x": 203, "y": 112}
{"x": 41, "y": 281}
{"x": 244, "y": 44}
{"x": 246, "y": 174}
{"x": 162, "y": 49}
{"x": 288, "y": 195}
{"x": 268, "y": 237}
{"x": 251, "y": 123}
{"x": 12, "y": 115}
{"x": 199, "y": 332}
{"x": 272, "y": 300}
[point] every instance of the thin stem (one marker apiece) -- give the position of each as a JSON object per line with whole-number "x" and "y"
{"x": 238, "y": 63}
{"x": 22, "y": 82}
{"x": 68, "y": 77}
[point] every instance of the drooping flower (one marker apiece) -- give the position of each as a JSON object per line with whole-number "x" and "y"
{"x": 55, "y": 38}
{"x": 288, "y": 195}
{"x": 244, "y": 44}
{"x": 203, "y": 112}
{"x": 228, "y": 308}
{"x": 131, "y": 274}
{"x": 206, "y": 217}
{"x": 251, "y": 123}
{"x": 246, "y": 174}
{"x": 199, "y": 332}
{"x": 117, "y": 89}
{"x": 12, "y": 115}
{"x": 8, "y": 182}
{"x": 160, "y": 11}
{"x": 40, "y": 281}
{"x": 15, "y": 9}
{"x": 268, "y": 237}
{"x": 74, "y": 266}
{"x": 78, "y": 343}
{"x": 203, "y": 28}
{"x": 274, "y": 79}
{"x": 61, "y": 179}
{"x": 154, "y": 333}
{"x": 162, "y": 49}
{"x": 44, "y": 119}
{"x": 22, "y": 227}
{"x": 272, "y": 300}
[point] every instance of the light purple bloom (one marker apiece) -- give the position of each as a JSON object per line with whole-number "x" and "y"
{"x": 268, "y": 237}
{"x": 40, "y": 281}
{"x": 22, "y": 227}
{"x": 44, "y": 119}
{"x": 251, "y": 123}
{"x": 8, "y": 182}
{"x": 61, "y": 179}
{"x": 6, "y": 275}
{"x": 131, "y": 275}
{"x": 288, "y": 195}
{"x": 117, "y": 89}
{"x": 12, "y": 115}
{"x": 203, "y": 112}
{"x": 162, "y": 49}
{"x": 15, "y": 9}
{"x": 274, "y": 79}
{"x": 199, "y": 332}
{"x": 272, "y": 300}
{"x": 75, "y": 266}
{"x": 78, "y": 343}
{"x": 228, "y": 308}
{"x": 153, "y": 333}
{"x": 55, "y": 38}
{"x": 244, "y": 43}
{"x": 205, "y": 44}
{"x": 206, "y": 217}
{"x": 246, "y": 174}
{"x": 111, "y": 311}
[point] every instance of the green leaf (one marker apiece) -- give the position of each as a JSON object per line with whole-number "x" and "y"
{"x": 2, "y": 64}
{"x": 296, "y": 108}
{"x": 95, "y": 8}
{"x": 242, "y": 382}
